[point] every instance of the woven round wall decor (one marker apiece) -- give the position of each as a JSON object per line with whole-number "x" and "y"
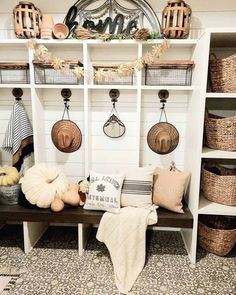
{"x": 163, "y": 138}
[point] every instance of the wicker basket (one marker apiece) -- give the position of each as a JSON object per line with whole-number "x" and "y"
{"x": 219, "y": 185}
{"x": 220, "y": 132}
{"x": 217, "y": 234}
{"x": 9, "y": 195}
{"x": 222, "y": 74}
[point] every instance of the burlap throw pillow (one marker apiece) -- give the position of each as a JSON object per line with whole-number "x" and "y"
{"x": 169, "y": 188}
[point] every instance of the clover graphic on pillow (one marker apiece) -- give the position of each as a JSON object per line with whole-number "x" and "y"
{"x": 101, "y": 188}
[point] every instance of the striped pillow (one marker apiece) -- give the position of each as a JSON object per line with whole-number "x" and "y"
{"x": 137, "y": 187}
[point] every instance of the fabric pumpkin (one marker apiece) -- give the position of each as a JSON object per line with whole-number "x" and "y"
{"x": 42, "y": 183}
{"x": 9, "y": 176}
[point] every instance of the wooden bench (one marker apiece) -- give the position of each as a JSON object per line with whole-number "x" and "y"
{"x": 36, "y": 220}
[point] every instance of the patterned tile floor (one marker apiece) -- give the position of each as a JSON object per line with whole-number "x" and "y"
{"x": 54, "y": 267}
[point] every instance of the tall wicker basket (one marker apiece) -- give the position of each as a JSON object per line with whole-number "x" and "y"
{"x": 176, "y": 19}
{"x": 220, "y": 132}
{"x": 222, "y": 73}
{"x": 27, "y": 20}
{"x": 217, "y": 234}
{"x": 219, "y": 184}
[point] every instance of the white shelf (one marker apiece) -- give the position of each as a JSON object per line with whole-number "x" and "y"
{"x": 14, "y": 85}
{"x": 216, "y": 154}
{"x": 174, "y": 43}
{"x": 220, "y": 95}
{"x": 14, "y": 41}
{"x": 48, "y": 86}
{"x": 176, "y": 88}
{"x": 115, "y": 86}
{"x": 60, "y": 42}
{"x": 177, "y": 42}
{"x": 208, "y": 207}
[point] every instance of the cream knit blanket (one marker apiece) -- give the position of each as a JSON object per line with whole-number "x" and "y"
{"x": 125, "y": 237}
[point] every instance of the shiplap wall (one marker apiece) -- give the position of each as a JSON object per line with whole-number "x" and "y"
{"x": 110, "y": 155}
{"x": 176, "y": 109}
{"x": 73, "y": 163}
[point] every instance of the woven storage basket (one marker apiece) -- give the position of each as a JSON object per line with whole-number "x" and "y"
{"x": 222, "y": 74}
{"x": 220, "y": 132}
{"x": 9, "y": 195}
{"x": 217, "y": 234}
{"x": 219, "y": 185}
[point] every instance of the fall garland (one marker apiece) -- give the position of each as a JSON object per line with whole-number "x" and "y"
{"x": 43, "y": 55}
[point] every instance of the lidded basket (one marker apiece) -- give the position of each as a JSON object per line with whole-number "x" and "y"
{"x": 176, "y": 18}
{"x": 27, "y": 20}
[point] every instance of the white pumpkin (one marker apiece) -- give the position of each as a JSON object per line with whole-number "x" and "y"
{"x": 42, "y": 182}
{"x": 9, "y": 176}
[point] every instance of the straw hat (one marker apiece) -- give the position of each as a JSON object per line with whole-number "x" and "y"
{"x": 66, "y": 136}
{"x": 163, "y": 138}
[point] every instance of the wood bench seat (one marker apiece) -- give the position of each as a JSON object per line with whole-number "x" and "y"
{"x": 12, "y": 213}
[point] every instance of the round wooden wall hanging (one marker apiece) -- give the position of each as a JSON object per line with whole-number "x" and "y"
{"x": 163, "y": 137}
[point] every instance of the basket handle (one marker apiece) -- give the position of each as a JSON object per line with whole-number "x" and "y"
{"x": 212, "y": 55}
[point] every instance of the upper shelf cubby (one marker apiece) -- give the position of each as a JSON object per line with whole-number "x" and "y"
{"x": 223, "y": 40}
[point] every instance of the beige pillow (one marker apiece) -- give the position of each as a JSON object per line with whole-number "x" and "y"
{"x": 169, "y": 188}
{"x": 137, "y": 187}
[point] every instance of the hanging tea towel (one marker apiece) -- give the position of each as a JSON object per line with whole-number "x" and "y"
{"x": 125, "y": 237}
{"x": 19, "y": 136}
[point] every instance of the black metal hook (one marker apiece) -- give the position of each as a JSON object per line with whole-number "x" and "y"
{"x": 163, "y": 95}
{"x": 17, "y": 93}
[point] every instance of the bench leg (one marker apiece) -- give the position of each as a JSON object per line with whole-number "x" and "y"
{"x": 190, "y": 243}
{"x": 32, "y": 231}
{"x": 83, "y": 236}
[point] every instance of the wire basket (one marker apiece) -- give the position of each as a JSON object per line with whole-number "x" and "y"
{"x": 222, "y": 73}
{"x": 9, "y": 195}
{"x": 169, "y": 73}
{"x": 217, "y": 234}
{"x": 14, "y": 73}
{"x": 113, "y": 78}
{"x": 220, "y": 132}
{"x": 45, "y": 74}
{"x": 219, "y": 184}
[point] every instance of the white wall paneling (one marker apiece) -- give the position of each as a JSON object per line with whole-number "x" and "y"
{"x": 52, "y": 105}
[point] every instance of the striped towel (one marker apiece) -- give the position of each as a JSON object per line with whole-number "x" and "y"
{"x": 19, "y": 136}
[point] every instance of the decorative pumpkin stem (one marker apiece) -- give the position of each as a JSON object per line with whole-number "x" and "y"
{"x": 51, "y": 180}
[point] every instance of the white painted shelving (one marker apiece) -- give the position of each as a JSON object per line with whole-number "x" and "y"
{"x": 212, "y": 208}
{"x": 138, "y": 107}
